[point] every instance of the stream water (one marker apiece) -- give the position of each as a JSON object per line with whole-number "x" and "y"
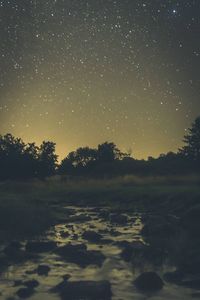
{"x": 114, "y": 269}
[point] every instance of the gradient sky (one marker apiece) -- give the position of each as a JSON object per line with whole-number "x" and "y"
{"x": 81, "y": 72}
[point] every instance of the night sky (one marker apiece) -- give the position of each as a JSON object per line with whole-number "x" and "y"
{"x": 80, "y": 72}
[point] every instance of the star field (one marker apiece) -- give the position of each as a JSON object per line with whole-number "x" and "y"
{"x": 82, "y": 72}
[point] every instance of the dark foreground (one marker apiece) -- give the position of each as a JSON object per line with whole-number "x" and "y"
{"x": 138, "y": 242}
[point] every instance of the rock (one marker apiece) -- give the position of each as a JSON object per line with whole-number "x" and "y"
{"x": 25, "y": 293}
{"x": 140, "y": 253}
{"x": 79, "y": 255}
{"x": 64, "y": 234}
{"x": 95, "y": 209}
{"x": 79, "y": 218}
{"x": 40, "y": 246}
{"x": 118, "y": 219}
{"x": 43, "y": 270}
{"x": 66, "y": 277}
{"x": 158, "y": 227}
{"x": 174, "y": 277}
{"x": 18, "y": 282}
{"x": 13, "y": 249}
{"x": 59, "y": 287}
{"x": 69, "y": 249}
{"x": 92, "y": 236}
{"x": 113, "y": 232}
{"x": 70, "y": 226}
{"x": 127, "y": 253}
{"x": 150, "y": 254}
{"x": 67, "y": 210}
{"x": 90, "y": 290}
{"x": 122, "y": 244}
{"x": 106, "y": 241}
{"x": 104, "y": 231}
{"x": 104, "y": 214}
{"x": 75, "y": 236}
{"x": 92, "y": 226}
{"x": 31, "y": 283}
{"x": 149, "y": 282}
{"x": 133, "y": 219}
{"x": 128, "y": 249}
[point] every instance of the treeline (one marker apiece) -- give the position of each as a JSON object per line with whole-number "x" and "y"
{"x": 20, "y": 160}
{"x": 23, "y": 161}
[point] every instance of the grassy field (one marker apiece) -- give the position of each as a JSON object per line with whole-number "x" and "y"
{"x": 28, "y": 208}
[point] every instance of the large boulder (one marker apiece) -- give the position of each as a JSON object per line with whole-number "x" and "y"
{"x": 43, "y": 270}
{"x": 104, "y": 215}
{"x": 40, "y": 246}
{"x": 31, "y": 284}
{"x": 24, "y": 293}
{"x": 90, "y": 290}
{"x": 131, "y": 250}
{"x": 92, "y": 236}
{"x": 69, "y": 249}
{"x": 149, "y": 282}
{"x": 79, "y": 255}
{"x": 60, "y": 286}
{"x": 118, "y": 219}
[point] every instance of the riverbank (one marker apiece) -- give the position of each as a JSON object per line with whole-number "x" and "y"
{"x": 124, "y": 237}
{"x": 30, "y": 208}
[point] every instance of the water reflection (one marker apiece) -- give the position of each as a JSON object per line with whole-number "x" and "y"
{"x": 119, "y": 272}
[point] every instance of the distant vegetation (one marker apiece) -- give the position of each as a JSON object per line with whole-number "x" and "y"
{"x": 22, "y": 161}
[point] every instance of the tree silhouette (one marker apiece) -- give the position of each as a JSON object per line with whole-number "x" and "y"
{"x": 192, "y": 140}
{"x": 20, "y": 160}
{"x": 65, "y": 167}
{"x": 108, "y": 152}
{"x": 78, "y": 160}
{"x": 91, "y": 161}
{"x": 47, "y": 159}
{"x": 86, "y": 155}
{"x": 82, "y": 157}
{"x": 30, "y": 164}
{"x": 11, "y": 155}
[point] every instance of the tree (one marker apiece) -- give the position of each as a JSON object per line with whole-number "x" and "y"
{"x": 11, "y": 156}
{"x": 66, "y": 166}
{"x": 47, "y": 159}
{"x": 83, "y": 157}
{"x": 192, "y": 140}
{"x": 108, "y": 152}
{"x": 19, "y": 160}
{"x": 30, "y": 163}
{"x": 86, "y": 156}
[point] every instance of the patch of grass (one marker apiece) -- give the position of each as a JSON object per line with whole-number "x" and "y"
{"x": 28, "y": 208}
{"x": 22, "y": 216}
